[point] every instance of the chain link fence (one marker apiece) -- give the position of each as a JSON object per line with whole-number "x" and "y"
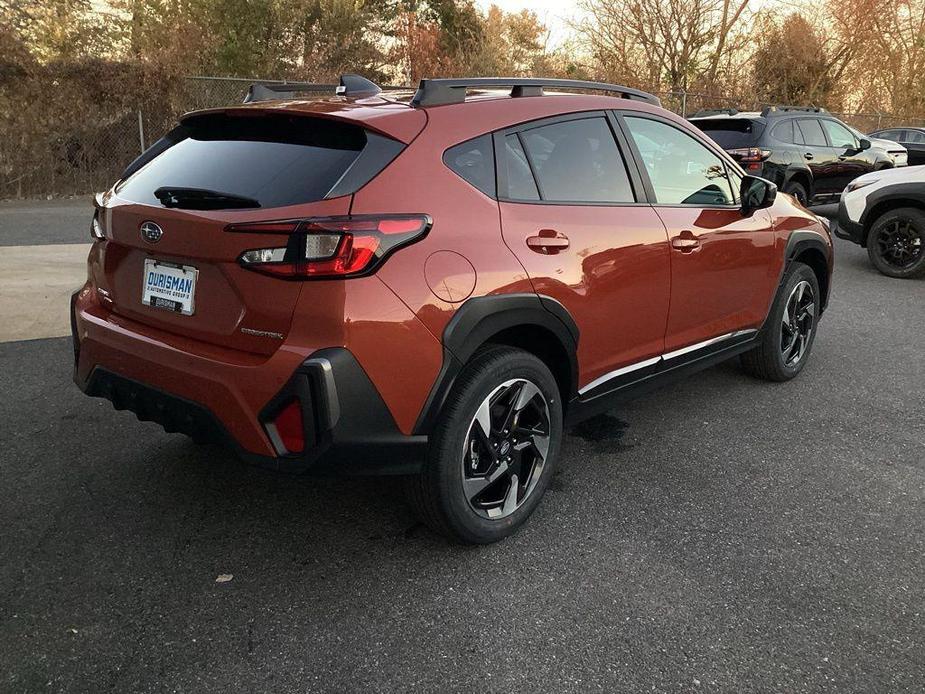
{"x": 51, "y": 150}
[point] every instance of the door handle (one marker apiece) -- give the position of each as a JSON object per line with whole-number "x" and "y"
{"x": 685, "y": 242}
{"x": 548, "y": 242}
{"x": 808, "y": 155}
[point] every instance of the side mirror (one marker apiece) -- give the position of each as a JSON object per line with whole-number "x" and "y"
{"x": 756, "y": 194}
{"x": 864, "y": 143}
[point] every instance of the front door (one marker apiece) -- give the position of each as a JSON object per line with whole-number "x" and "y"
{"x": 852, "y": 160}
{"x": 721, "y": 260}
{"x": 569, "y": 213}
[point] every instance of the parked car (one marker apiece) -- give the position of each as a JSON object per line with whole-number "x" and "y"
{"x": 896, "y": 153}
{"x": 806, "y": 152}
{"x": 436, "y": 285}
{"x": 913, "y": 139}
{"x": 885, "y": 213}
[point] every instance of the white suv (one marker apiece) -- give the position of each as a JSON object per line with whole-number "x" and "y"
{"x": 885, "y": 212}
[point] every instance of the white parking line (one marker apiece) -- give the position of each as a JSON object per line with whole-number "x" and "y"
{"x": 35, "y": 285}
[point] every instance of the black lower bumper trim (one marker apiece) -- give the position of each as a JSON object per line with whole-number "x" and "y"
{"x": 844, "y": 228}
{"x": 349, "y": 429}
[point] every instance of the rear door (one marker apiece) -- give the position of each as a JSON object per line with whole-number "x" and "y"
{"x": 167, "y": 222}
{"x": 819, "y": 156}
{"x": 723, "y": 263}
{"x": 572, "y": 212}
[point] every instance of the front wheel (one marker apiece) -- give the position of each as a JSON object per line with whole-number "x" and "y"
{"x": 788, "y": 335}
{"x": 493, "y": 451}
{"x": 896, "y": 243}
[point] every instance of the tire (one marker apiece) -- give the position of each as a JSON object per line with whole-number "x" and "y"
{"x": 785, "y": 344}
{"x": 798, "y": 190}
{"x": 896, "y": 243}
{"x": 459, "y": 461}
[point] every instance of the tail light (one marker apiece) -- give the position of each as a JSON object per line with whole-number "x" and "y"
{"x": 752, "y": 157}
{"x": 323, "y": 248}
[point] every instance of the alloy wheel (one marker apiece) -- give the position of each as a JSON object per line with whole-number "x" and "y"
{"x": 899, "y": 244}
{"x": 798, "y": 323}
{"x": 506, "y": 448}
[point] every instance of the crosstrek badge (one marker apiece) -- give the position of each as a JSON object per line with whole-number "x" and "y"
{"x": 168, "y": 286}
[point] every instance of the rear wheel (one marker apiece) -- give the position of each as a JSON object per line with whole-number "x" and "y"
{"x": 896, "y": 243}
{"x": 493, "y": 451}
{"x": 788, "y": 335}
{"x": 798, "y": 190}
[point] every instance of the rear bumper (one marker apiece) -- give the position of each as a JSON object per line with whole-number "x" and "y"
{"x": 220, "y": 396}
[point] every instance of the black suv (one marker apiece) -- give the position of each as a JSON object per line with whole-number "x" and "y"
{"x": 913, "y": 139}
{"x": 806, "y": 151}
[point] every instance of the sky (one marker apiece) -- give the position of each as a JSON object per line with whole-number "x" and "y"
{"x": 555, "y": 14}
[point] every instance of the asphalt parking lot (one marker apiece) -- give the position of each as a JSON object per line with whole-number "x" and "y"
{"x": 727, "y": 535}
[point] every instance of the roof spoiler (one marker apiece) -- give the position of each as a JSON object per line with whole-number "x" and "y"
{"x": 804, "y": 109}
{"x": 439, "y": 92}
{"x": 350, "y": 85}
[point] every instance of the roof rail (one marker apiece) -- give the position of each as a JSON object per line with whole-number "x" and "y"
{"x": 350, "y": 85}
{"x": 783, "y": 109}
{"x": 704, "y": 112}
{"x": 439, "y": 92}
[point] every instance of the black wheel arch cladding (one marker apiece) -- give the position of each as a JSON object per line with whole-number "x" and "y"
{"x": 481, "y": 319}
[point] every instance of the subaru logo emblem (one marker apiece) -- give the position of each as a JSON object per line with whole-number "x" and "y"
{"x": 151, "y": 232}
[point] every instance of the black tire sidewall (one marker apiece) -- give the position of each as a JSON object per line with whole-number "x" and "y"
{"x": 444, "y": 466}
{"x": 918, "y": 220}
{"x": 794, "y": 188}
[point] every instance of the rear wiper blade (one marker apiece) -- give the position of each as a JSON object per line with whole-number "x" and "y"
{"x": 202, "y": 199}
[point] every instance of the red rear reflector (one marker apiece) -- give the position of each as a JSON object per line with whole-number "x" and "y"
{"x": 332, "y": 246}
{"x": 289, "y": 427}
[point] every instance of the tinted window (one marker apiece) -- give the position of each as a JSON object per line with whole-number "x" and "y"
{"x": 783, "y": 131}
{"x": 578, "y": 161}
{"x": 275, "y": 160}
{"x": 915, "y": 136}
{"x": 731, "y": 133}
{"x": 474, "y": 160}
{"x": 520, "y": 183}
{"x": 894, "y": 135}
{"x": 812, "y": 132}
{"x": 682, "y": 170}
{"x": 839, "y": 135}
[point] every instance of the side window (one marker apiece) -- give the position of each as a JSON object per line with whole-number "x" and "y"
{"x": 839, "y": 135}
{"x": 682, "y": 170}
{"x": 520, "y": 183}
{"x": 578, "y": 161}
{"x": 812, "y": 132}
{"x": 915, "y": 136}
{"x": 783, "y": 131}
{"x": 474, "y": 160}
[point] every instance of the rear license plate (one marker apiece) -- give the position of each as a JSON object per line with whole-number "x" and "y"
{"x": 169, "y": 286}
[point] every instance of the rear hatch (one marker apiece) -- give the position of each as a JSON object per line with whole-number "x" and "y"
{"x": 170, "y": 261}
{"x": 735, "y": 135}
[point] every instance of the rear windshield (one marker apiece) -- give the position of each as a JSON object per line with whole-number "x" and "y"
{"x": 731, "y": 133}
{"x": 271, "y": 160}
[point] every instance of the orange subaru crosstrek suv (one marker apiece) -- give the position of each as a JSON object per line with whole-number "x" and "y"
{"x": 435, "y": 283}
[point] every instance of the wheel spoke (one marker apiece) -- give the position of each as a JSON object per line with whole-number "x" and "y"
{"x": 476, "y": 485}
{"x": 510, "y": 499}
